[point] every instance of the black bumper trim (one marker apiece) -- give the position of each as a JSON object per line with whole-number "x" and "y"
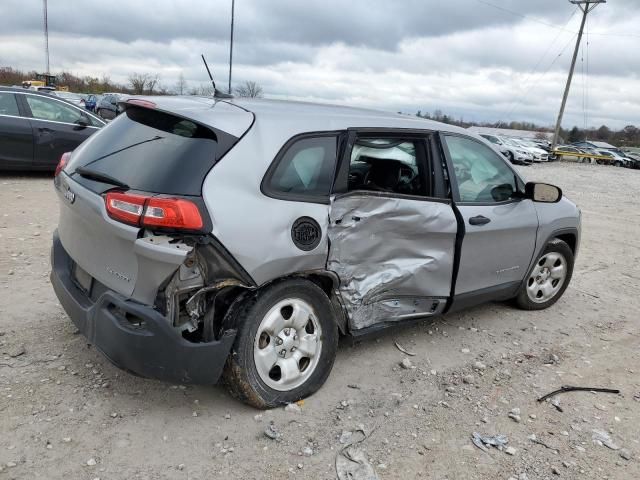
{"x": 133, "y": 336}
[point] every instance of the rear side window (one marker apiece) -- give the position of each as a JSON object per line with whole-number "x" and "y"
{"x": 151, "y": 151}
{"x": 304, "y": 170}
{"x": 8, "y": 104}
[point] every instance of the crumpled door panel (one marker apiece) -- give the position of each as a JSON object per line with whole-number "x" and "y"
{"x": 393, "y": 255}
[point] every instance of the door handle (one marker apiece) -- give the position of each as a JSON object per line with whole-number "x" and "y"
{"x": 479, "y": 220}
{"x": 45, "y": 130}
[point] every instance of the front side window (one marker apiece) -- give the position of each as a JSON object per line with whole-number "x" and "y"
{"x": 8, "y": 104}
{"x": 387, "y": 165}
{"x": 481, "y": 174}
{"x": 305, "y": 169}
{"x": 46, "y": 109}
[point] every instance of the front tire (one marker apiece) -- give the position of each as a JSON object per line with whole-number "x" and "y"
{"x": 285, "y": 346}
{"x": 549, "y": 277}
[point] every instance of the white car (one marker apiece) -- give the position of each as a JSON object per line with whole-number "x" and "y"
{"x": 520, "y": 153}
{"x": 539, "y": 154}
{"x": 617, "y": 160}
{"x": 514, "y": 153}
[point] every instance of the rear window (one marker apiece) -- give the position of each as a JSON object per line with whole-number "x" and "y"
{"x": 151, "y": 151}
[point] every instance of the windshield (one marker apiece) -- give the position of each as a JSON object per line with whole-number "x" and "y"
{"x": 150, "y": 151}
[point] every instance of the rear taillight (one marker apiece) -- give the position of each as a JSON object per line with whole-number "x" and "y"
{"x": 125, "y": 207}
{"x": 159, "y": 212}
{"x": 64, "y": 159}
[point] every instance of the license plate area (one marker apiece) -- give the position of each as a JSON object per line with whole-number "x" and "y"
{"x": 82, "y": 279}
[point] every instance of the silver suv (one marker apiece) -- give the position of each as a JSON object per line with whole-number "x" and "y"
{"x": 201, "y": 237}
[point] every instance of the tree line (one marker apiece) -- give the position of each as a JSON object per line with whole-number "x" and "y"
{"x": 148, "y": 84}
{"x": 137, "y": 84}
{"x": 628, "y": 136}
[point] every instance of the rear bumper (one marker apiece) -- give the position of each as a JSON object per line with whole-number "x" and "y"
{"x": 133, "y": 336}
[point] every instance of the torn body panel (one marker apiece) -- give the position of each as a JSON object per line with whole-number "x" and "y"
{"x": 393, "y": 255}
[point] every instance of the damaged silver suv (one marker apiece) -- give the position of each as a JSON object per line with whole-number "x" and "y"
{"x": 202, "y": 238}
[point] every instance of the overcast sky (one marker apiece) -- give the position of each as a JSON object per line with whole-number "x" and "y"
{"x": 476, "y": 59}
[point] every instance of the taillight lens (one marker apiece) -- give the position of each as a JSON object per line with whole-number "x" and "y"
{"x": 64, "y": 159}
{"x": 172, "y": 213}
{"x": 146, "y": 211}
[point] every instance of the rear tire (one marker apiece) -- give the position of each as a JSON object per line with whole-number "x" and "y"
{"x": 548, "y": 278}
{"x": 285, "y": 346}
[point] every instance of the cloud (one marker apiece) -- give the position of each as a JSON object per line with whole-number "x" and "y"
{"x": 467, "y": 58}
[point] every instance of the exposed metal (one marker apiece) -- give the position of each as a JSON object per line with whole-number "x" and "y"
{"x": 394, "y": 256}
{"x": 547, "y": 277}
{"x": 287, "y": 345}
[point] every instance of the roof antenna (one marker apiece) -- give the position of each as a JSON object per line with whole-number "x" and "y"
{"x": 216, "y": 93}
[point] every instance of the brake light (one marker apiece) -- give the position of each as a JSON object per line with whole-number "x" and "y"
{"x": 141, "y": 103}
{"x": 125, "y": 207}
{"x": 147, "y": 211}
{"x": 64, "y": 159}
{"x": 172, "y": 213}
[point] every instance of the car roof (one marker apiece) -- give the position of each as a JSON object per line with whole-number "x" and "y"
{"x": 306, "y": 116}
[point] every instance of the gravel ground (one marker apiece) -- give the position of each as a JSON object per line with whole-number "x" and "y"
{"x": 66, "y": 412}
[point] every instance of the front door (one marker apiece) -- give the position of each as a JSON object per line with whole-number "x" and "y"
{"x": 500, "y": 227}
{"x": 57, "y": 128}
{"x": 391, "y": 231}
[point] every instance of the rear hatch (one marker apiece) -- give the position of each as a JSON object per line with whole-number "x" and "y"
{"x": 149, "y": 164}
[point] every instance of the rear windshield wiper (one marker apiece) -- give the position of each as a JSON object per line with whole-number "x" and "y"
{"x": 100, "y": 177}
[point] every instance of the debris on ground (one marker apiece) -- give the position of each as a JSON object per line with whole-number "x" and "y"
{"x": 537, "y": 441}
{"x": 570, "y": 388}
{"x": 351, "y": 461}
{"x": 404, "y": 350}
{"x": 514, "y": 415}
{"x": 272, "y": 432}
{"x": 483, "y": 441}
{"x": 293, "y": 408}
{"x": 16, "y": 351}
{"x": 625, "y": 454}
{"x": 601, "y": 437}
{"x": 406, "y": 364}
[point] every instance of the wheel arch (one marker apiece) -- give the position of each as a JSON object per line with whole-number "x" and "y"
{"x": 326, "y": 280}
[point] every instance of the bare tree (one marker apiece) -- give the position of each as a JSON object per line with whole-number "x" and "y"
{"x": 181, "y": 85}
{"x": 143, "y": 83}
{"x": 249, "y": 89}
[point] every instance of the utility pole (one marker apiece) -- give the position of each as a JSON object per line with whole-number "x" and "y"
{"x": 46, "y": 35}
{"x": 233, "y": 4}
{"x": 586, "y": 6}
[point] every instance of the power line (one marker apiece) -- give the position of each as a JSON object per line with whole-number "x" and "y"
{"x": 552, "y": 25}
{"x": 522, "y": 15}
{"x": 525, "y": 83}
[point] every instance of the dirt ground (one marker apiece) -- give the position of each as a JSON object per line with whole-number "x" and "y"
{"x": 66, "y": 412}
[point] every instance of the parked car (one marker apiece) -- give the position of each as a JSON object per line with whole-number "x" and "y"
{"x": 539, "y": 154}
{"x": 90, "y": 102}
{"x": 514, "y": 153}
{"x": 200, "y": 238}
{"x": 616, "y": 159}
{"x": 36, "y": 128}
{"x": 107, "y": 106}
{"x": 568, "y": 153}
{"x": 75, "y": 98}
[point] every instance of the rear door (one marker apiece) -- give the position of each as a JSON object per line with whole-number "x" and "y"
{"x": 392, "y": 230}
{"x": 16, "y": 138}
{"x": 58, "y": 127}
{"x": 500, "y": 228}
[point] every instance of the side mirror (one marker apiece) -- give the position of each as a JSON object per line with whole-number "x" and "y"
{"x": 542, "y": 192}
{"x": 82, "y": 122}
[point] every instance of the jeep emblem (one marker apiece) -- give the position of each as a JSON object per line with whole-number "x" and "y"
{"x": 70, "y": 196}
